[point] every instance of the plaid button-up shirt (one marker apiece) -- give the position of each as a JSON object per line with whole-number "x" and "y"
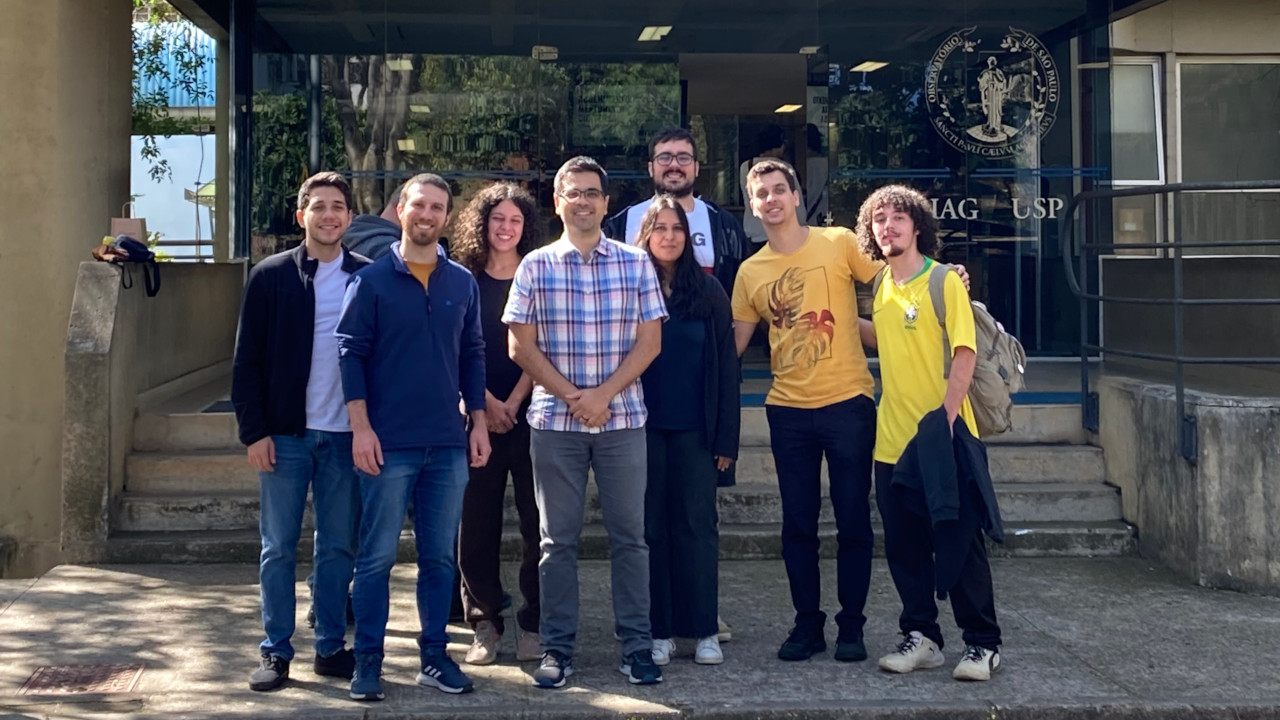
{"x": 587, "y": 313}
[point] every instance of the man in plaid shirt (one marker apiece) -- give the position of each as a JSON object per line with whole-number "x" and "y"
{"x": 585, "y": 318}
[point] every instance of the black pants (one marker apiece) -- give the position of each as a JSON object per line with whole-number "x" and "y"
{"x": 480, "y": 537}
{"x": 908, "y": 546}
{"x": 680, "y": 527}
{"x": 845, "y": 433}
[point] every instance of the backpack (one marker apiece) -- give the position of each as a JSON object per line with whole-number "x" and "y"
{"x": 127, "y": 249}
{"x": 1001, "y": 366}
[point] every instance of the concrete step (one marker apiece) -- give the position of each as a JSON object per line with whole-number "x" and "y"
{"x": 744, "y": 504}
{"x": 181, "y": 432}
{"x": 737, "y": 542}
{"x": 222, "y": 471}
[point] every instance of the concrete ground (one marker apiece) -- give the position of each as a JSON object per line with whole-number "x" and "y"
{"x": 1090, "y": 637}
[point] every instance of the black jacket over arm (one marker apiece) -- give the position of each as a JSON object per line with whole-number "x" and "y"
{"x": 938, "y": 474}
{"x": 272, "y": 361}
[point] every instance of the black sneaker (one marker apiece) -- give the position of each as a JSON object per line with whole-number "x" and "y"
{"x": 555, "y": 667}
{"x": 850, "y": 649}
{"x": 640, "y": 668}
{"x": 341, "y": 664}
{"x": 802, "y": 645}
{"x": 270, "y": 675}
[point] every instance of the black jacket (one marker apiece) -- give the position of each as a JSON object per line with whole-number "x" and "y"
{"x": 273, "y": 344}
{"x": 722, "y": 408}
{"x": 943, "y": 477}
{"x": 727, "y": 237}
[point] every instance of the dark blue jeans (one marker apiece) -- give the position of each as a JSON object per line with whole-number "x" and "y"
{"x": 845, "y": 433}
{"x": 435, "y": 479}
{"x": 320, "y": 461}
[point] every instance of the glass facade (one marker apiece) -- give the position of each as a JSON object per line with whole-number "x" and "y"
{"x": 998, "y": 117}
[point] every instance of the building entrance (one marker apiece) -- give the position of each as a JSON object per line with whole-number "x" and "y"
{"x": 988, "y": 115}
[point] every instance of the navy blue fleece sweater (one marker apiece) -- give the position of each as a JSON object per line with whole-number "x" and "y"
{"x": 410, "y": 353}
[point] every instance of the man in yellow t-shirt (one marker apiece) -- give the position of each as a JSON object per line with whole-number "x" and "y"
{"x": 801, "y": 283}
{"x": 896, "y": 224}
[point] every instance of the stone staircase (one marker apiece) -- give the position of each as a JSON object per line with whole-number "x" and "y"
{"x": 190, "y": 495}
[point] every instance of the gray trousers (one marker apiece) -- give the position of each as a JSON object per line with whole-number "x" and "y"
{"x": 561, "y": 461}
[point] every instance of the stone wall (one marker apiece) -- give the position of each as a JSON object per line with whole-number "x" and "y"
{"x": 125, "y": 349}
{"x": 1217, "y": 521}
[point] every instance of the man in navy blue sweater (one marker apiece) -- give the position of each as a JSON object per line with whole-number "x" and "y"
{"x": 410, "y": 344}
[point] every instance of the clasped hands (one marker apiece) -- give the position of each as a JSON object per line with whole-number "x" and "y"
{"x": 590, "y": 406}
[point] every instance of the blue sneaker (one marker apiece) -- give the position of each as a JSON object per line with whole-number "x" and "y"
{"x": 366, "y": 683}
{"x": 640, "y": 668}
{"x": 441, "y": 672}
{"x": 556, "y": 667}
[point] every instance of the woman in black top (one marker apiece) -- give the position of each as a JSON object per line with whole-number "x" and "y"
{"x": 496, "y": 230}
{"x": 691, "y": 392}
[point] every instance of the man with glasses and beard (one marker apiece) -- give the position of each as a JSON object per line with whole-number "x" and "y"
{"x": 410, "y": 344}
{"x": 719, "y": 244}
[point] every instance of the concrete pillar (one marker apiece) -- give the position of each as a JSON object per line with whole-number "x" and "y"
{"x": 65, "y": 72}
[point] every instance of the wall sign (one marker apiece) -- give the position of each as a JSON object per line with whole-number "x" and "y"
{"x": 992, "y": 100}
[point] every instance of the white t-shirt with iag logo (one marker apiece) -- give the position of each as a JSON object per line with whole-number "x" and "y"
{"x": 704, "y": 250}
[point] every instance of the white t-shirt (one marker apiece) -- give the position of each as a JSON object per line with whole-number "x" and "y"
{"x": 704, "y": 250}
{"x": 326, "y": 409}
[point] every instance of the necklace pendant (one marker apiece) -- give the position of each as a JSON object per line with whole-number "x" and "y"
{"x": 912, "y": 313}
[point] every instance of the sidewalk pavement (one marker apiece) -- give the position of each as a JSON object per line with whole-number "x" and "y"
{"x": 1090, "y": 637}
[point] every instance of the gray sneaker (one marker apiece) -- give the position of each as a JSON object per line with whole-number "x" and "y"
{"x": 556, "y": 667}
{"x": 271, "y": 674}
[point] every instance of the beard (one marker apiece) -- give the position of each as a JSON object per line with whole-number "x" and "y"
{"x": 894, "y": 251}
{"x": 423, "y": 238}
{"x": 680, "y": 187}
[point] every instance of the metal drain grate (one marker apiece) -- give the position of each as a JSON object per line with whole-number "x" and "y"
{"x": 82, "y": 679}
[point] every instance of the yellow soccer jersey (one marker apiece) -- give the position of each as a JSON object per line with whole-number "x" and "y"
{"x": 910, "y": 343}
{"x": 808, "y": 299}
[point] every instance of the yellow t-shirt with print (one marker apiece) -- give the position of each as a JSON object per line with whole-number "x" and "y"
{"x": 807, "y": 297}
{"x": 911, "y": 382}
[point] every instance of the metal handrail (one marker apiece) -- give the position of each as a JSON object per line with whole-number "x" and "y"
{"x": 1187, "y": 441}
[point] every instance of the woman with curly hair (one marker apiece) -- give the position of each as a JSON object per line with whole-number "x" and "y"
{"x": 691, "y": 392}
{"x": 495, "y": 231}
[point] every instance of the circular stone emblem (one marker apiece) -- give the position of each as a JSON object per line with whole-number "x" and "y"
{"x": 992, "y": 101}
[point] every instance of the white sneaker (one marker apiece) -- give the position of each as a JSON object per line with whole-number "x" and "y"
{"x": 977, "y": 664}
{"x": 662, "y": 651}
{"x": 708, "y": 652}
{"x": 725, "y": 632}
{"x": 915, "y": 652}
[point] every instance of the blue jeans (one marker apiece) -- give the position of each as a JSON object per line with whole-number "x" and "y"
{"x": 322, "y": 462}
{"x": 435, "y": 480}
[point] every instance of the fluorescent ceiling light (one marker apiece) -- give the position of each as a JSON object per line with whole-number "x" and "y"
{"x": 654, "y": 32}
{"x": 810, "y": 50}
{"x": 868, "y": 66}
{"x": 788, "y": 108}
{"x": 420, "y": 109}
{"x": 399, "y": 64}
{"x": 406, "y": 145}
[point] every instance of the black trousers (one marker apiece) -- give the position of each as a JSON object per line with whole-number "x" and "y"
{"x": 908, "y": 547}
{"x": 680, "y": 527}
{"x": 480, "y": 536}
{"x": 845, "y": 433}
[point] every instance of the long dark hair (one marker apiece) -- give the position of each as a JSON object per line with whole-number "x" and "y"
{"x": 688, "y": 286}
{"x": 471, "y": 247}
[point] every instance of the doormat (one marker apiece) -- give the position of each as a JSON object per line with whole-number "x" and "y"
{"x": 82, "y": 679}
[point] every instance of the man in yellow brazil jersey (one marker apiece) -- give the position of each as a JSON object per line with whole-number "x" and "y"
{"x": 932, "y": 484}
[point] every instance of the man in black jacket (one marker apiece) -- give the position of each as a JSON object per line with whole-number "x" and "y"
{"x": 288, "y": 400}
{"x": 934, "y": 512}
{"x": 718, "y": 241}
{"x": 373, "y": 235}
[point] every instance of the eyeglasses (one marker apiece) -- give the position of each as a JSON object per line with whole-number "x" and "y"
{"x": 681, "y": 159}
{"x": 573, "y": 194}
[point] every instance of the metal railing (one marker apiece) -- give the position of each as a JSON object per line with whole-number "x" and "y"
{"x": 1092, "y": 249}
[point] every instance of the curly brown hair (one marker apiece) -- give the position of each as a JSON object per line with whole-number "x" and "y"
{"x": 471, "y": 246}
{"x": 902, "y": 199}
